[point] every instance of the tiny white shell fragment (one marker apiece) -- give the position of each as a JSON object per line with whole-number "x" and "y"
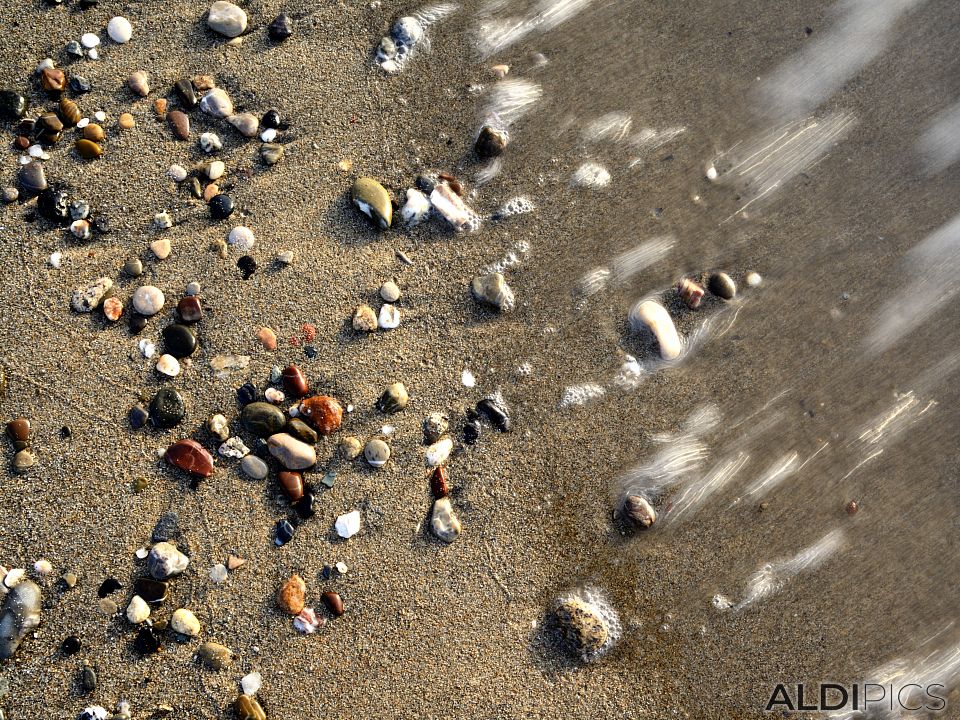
{"x": 450, "y": 206}
{"x": 416, "y": 209}
{"x": 468, "y": 379}
{"x": 654, "y": 316}
{"x": 147, "y": 348}
{"x": 438, "y": 453}
{"x": 251, "y": 683}
{"x": 348, "y": 524}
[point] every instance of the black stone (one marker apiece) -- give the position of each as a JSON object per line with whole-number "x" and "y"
{"x": 284, "y": 532}
{"x": 152, "y": 591}
{"x": 247, "y": 393}
{"x": 55, "y": 205}
{"x": 86, "y": 4}
{"x": 167, "y": 527}
{"x": 79, "y": 84}
{"x": 137, "y": 323}
{"x": 247, "y": 265}
{"x": 221, "y": 207}
{"x": 101, "y": 223}
{"x": 262, "y": 419}
{"x": 65, "y": 433}
{"x": 26, "y": 127}
{"x": 271, "y": 119}
{"x": 12, "y": 105}
{"x": 71, "y": 645}
{"x": 301, "y": 431}
{"x": 490, "y": 143}
{"x": 186, "y": 94}
{"x": 179, "y": 340}
{"x": 147, "y": 641}
{"x": 88, "y": 678}
{"x": 305, "y": 507}
{"x": 471, "y": 431}
{"x": 74, "y": 49}
{"x": 496, "y": 413}
{"x": 310, "y": 351}
{"x": 110, "y": 585}
{"x": 167, "y": 408}
{"x": 281, "y": 28}
{"x": 722, "y": 286}
{"x": 138, "y": 417}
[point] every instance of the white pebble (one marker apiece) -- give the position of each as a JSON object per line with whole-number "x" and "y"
{"x": 193, "y": 288}
{"x": 654, "y": 316}
{"x": 285, "y": 258}
{"x": 162, "y": 220}
{"x": 251, "y": 683}
{"x": 389, "y": 317}
{"x": 35, "y": 151}
{"x": 168, "y": 365}
{"x": 46, "y": 64}
{"x": 100, "y": 116}
{"x": 147, "y": 348}
{"x": 148, "y": 300}
{"x": 210, "y": 142}
{"x": 42, "y": 567}
{"x": 712, "y": 173}
{"x": 416, "y": 209}
{"x": 216, "y": 169}
{"x": 119, "y": 30}
{"x": 93, "y": 54}
{"x": 177, "y": 173}
{"x": 218, "y": 573}
{"x": 83, "y": 122}
{"x": 89, "y": 40}
{"x": 56, "y": 259}
{"x": 468, "y": 379}
{"x": 275, "y": 396}
{"x": 438, "y": 453}
{"x": 137, "y": 611}
{"x": 142, "y": 553}
{"x": 342, "y": 568}
{"x": 13, "y": 577}
{"x": 242, "y": 238}
{"x": 753, "y": 279}
{"x": 348, "y": 524}
{"x": 269, "y": 135}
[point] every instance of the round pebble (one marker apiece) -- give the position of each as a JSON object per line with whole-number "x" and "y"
{"x": 179, "y": 340}
{"x": 376, "y": 452}
{"x": 126, "y": 121}
{"x": 161, "y": 248}
{"x": 168, "y": 365}
{"x": 217, "y": 103}
{"x": 390, "y": 292}
{"x": 753, "y": 279}
{"x": 185, "y": 622}
{"x": 221, "y": 207}
{"x": 89, "y": 40}
{"x": 167, "y": 409}
{"x": 254, "y": 467}
{"x": 227, "y": 19}
{"x": 148, "y": 300}
{"x": 119, "y": 30}
{"x": 242, "y": 238}
{"x": 722, "y": 285}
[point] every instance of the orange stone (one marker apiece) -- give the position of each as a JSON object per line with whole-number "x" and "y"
{"x": 190, "y": 456}
{"x": 292, "y": 484}
{"x": 210, "y": 192}
{"x": 112, "y": 308}
{"x": 324, "y": 413}
{"x": 160, "y": 106}
{"x": 267, "y": 338}
{"x": 293, "y": 595}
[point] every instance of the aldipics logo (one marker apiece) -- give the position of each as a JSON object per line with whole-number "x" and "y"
{"x": 866, "y": 697}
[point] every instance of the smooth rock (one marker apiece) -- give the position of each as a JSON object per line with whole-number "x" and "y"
{"x": 348, "y": 524}
{"x": 394, "y": 398}
{"x": 179, "y": 340}
{"x": 185, "y": 622}
{"x": 267, "y": 338}
{"x": 242, "y": 238}
{"x": 186, "y": 94}
{"x": 439, "y": 483}
{"x": 161, "y": 248}
{"x": 139, "y": 83}
{"x": 654, "y": 317}
{"x": 373, "y": 201}
{"x": 245, "y": 123}
{"x": 221, "y": 207}
{"x": 271, "y": 153}
{"x": 443, "y": 521}
{"x": 450, "y": 205}
{"x": 94, "y": 132}
{"x": 190, "y": 456}
{"x": 168, "y": 365}
{"x": 284, "y": 533}
{"x": 294, "y": 381}
{"x": 376, "y": 452}
{"x": 493, "y": 290}
{"x": 437, "y": 453}
{"x": 333, "y": 602}
{"x": 292, "y": 453}
{"x": 325, "y": 413}
{"x": 262, "y": 419}
{"x": 271, "y": 119}
{"x": 292, "y": 484}
{"x": 364, "y": 319}
{"x": 190, "y": 310}
{"x": 148, "y": 300}
{"x": 227, "y": 19}
{"x": 300, "y": 430}
{"x": 151, "y": 590}
{"x": 251, "y": 683}
{"x": 165, "y": 561}
{"x": 167, "y": 408}
{"x": 495, "y": 410}
{"x": 722, "y": 285}
{"x": 390, "y": 292}
{"x": 23, "y": 460}
{"x": 254, "y": 467}
{"x": 214, "y": 655}
{"x": 247, "y": 708}
{"x": 639, "y": 512}
{"x": 19, "y": 616}
{"x": 216, "y": 169}
{"x": 179, "y": 123}
{"x": 32, "y": 179}
{"x": 138, "y": 611}
{"x": 216, "y": 102}
{"x": 119, "y": 30}
{"x": 133, "y": 268}
{"x": 753, "y": 279}
{"x": 88, "y": 298}
{"x": 292, "y": 595}
{"x": 137, "y": 417}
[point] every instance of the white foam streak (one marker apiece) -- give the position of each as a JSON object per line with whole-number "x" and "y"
{"x": 511, "y": 99}
{"x": 497, "y": 34}
{"x": 625, "y": 265}
{"x": 699, "y": 491}
{"x": 779, "y": 471}
{"x": 940, "y": 143}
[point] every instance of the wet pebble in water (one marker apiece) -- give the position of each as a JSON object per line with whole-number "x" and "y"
{"x": 722, "y": 285}
{"x": 490, "y": 143}
{"x": 496, "y": 412}
{"x": 654, "y": 317}
{"x": 638, "y": 511}
{"x": 493, "y": 290}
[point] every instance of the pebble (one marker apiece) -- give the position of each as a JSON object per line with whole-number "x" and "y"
{"x": 348, "y": 524}
{"x": 89, "y": 298}
{"x": 294, "y": 381}
{"x": 292, "y": 453}
{"x": 23, "y": 460}
{"x": 209, "y": 192}
{"x": 233, "y": 448}
{"x": 247, "y": 266}
{"x": 242, "y": 238}
{"x": 160, "y": 107}
{"x": 227, "y": 19}
{"x": 148, "y": 300}
{"x": 753, "y": 279}
{"x": 267, "y": 338}
{"x": 584, "y": 630}
{"x": 69, "y": 112}
{"x": 437, "y": 453}
{"x": 639, "y": 512}
{"x": 390, "y": 292}
{"x": 218, "y": 427}
{"x": 292, "y": 484}
{"x": 300, "y": 430}
{"x": 271, "y": 119}
{"x": 216, "y": 169}
{"x": 210, "y": 142}
{"x": 79, "y": 84}
{"x": 190, "y": 309}
{"x": 262, "y": 419}
{"x": 193, "y": 288}
{"x": 285, "y": 258}
{"x": 179, "y": 340}
{"x": 284, "y": 532}
{"x": 292, "y": 595}
{"x": 245, "y": 123}
{"x": 364, "y": 319}
{"x": 88, "y": 678}
{"x": 271, "y": 153}
{"x": 690, "y": 293}
{"x": 108, "y": 607}
{"x": 126, "y": 121}
{"x": 139, "y": 83}
{"x": 389, "y": 317}
{"x": 276, "y": 397}
{"x": 179, "y": 123}
{"x": 13, "y": 105}
{"x": 146, "y": 642}
{"x": 137, "y": 417}
{"x": 119, "y": 30}
{"x": 92, "y": 131}
{"x": 394, "y": 398}
{"x": 168, "y": 365}
{"x": 221, "y": 207}
{"x": 269, "y": 135}
{"x": 307, "y": 621}
{"x": 217, "y": 103}
{"x": 147, "y": 348}
{"x": 53, "y": 80}
{"x": 443, "y": 521}
{"x": 247, "y": 708}
{"x": 333, "y": 602}
{"x": 10, "y": 195}
{"x": 185, "y": 622}
{"x": 185, "y": 93}
{"x": 133, "y": 268}
{"x": 138, "y": 610}
{"x": 281, "y": 28}
{"x": 376, "y": 452}
{"x": 654, "y": 317}
{"x": 325, "y": 413}
{"x": 153, "y": 591}
{"x": 490, "y": 143}
{"x": 434, "y": 427}
{"x": 722, "y": 285}
{"x": 493, "y": 290}
{"x": 254, "y": 467}
{"x": 247, "y": 393}
{"x": 251, "y": 683}
{"x": 416, "y": 209}
{"x": 43, "y": 567}
{"x": 373, "y": 201}
{"x": 496, "y": 412}
{"x": 439, "y": 483}
{"x": 191, "y": 457}
{"x": 160, "y": 248}
{"x": 449, "y": 204}
{"x": 350, "y": 447}
{"x": 215, "y": 655}
{"x": 165, "y": 561}
{"x": 32, "y": 178}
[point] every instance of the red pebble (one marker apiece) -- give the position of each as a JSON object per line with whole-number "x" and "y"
{"x": 439, "y": 484}
{"x": 323, "y": 412}
{"x": 190, "y": 309}
{"x": 190, "y": 456}
{"x": 309, "y": 332}
{"x": 292, "y": 484}
{"x": 294, "y": 381}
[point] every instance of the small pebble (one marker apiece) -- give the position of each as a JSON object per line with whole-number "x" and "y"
{"x": 350, "y": 447}
{"x": 133, "y": 268}
{"x": 493, "y": 290}
{"x": 753, "y": 279}
{"x": 185, "y": 622}
{"x": 333, "y": 602}
{"x": 148, "y": 300}
{"x": 233, "y": 448}
{"x": 119, "y": 30}
{"x": 216, "y": 169}
{"x": 254, "y": 467}
{"x": 271, "y": 153}
{"x": 218, "y": 573}
{"x": 89, "y": 40}
{"x": 281, "y": 28}
{"x": 139, "y": 83}
{"x": 376, "y": 452}
{"x": 722, "y": 285}
{"x": 190, "y": 309}
{"x": 443, "y": 521}
{"x": 126, "y": 121}
{"x": 193, "y": 288}
{"x": 217, "y": 103}
{"x": 364, "y": 319}
{"x": 219, "y": 427}
{"x": 160, "y": 248}
{"x": 390, "y": 292}
{"x": 293, "y": 454}
{"x": 179, "y": 123}
{"x": 221, "y": 207}
{"x": 268, "y": 135}
{"x": 284, "y": 533}
{"x": 389, "y": 317}
{"x": 394, "y": 398}
{"x": 437, "y": 453}
{"x": 245, "y": 123}
{"x": 165, "y": 561}
{"x": 210, "y": 142}
{"x": 251, "y": 683}
{"x": 215, "y": 655}
{"x": 138, "y": 611}
{"x": 292, "y": 595}
{"x": 285, "y": 258}
{"x": 226, "y": 19}
{"x": 112, "y": 309}
{"x": 267, "y": 338}
{"x": 242, "y": 238}
{"x": 348, "y": 524}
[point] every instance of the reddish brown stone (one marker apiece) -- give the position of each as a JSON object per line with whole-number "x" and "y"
{"x": 53, "y": 80}
{"x": 190, "y": 309}
{"x": 333, "y": 602}
{"x": 190, "y": 456}
{"x": 439, "y": 484}
{"x": 323, "y": 412}
{"x": 292, "y": 484}
{"x": 179, "y": 123}
{"x": 19, "y": 429}
{"x": 294, "y": 381}
{"x": 22, "y": 142}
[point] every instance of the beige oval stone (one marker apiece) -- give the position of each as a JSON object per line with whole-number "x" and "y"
{"x": 292, "y": 453}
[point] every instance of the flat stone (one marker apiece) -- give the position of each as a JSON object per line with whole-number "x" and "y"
{"x": 216, "y": 102}
{"x": 271, "y": 153}
{"x": 262, "y": 419}
{"x": 179, "y": 123}
{"x": 138, "y": 611}
{"x": 215, "y": 655}
{"x": 190, "y": 456}
{"x": 254, "y": 467}
{"x": 292, "y": 453}
{"x": 245, "y": 123}
{"x": 119, "y": 30}
{"x": 227, "y": 19}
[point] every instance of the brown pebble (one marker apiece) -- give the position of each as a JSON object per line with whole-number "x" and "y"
{"x": 210, "y": 192}
{"x": 126, "y": 121}
{"x": 69, "y": 112}
{"x": 294, "y": 381}
{"x": 190, "y": 309}
{"x": 267, "y": 338}
{"x": 139, "y": 83}
{"x": 53, "y": 80}
{"x": 233, "y": 562}
{"x": 179, "y": 123}
{"x": 852, "y": 507}
{"x": 324, "y": 413}
{"x": 22, "y": 143}
{"x": 292, "y": 595}
{"x": 160, "y": 106}
{"x": 93, "y": 132}
{"x": 108, "y": 607}
{"x": 292, "y": 484}
{"x": 247, "y": 708}
{"x": 439, "y": 483}
{"x": 70, "y": 579}
{"x": 88, "y": 150}
{"x": 191, "y": 456}
{"x": 333, "y": 602}
{"x": 112, "y": 308}
{"x": 19, "y": 429}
